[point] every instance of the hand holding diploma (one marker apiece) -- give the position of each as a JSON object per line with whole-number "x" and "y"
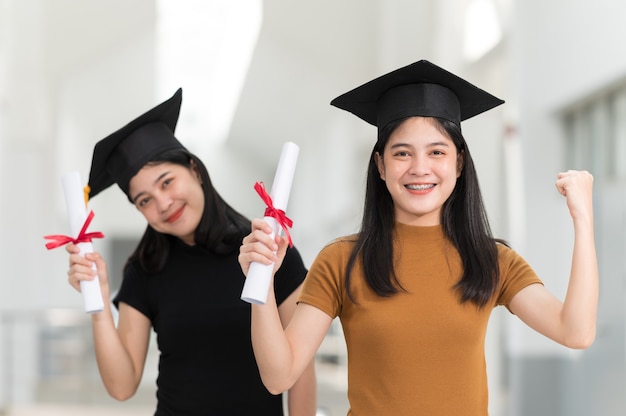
{"x": 260, "y": 275}
{"x": 79, "y": 221}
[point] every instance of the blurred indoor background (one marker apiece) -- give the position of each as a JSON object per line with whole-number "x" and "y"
{"x": 259, "y": 73}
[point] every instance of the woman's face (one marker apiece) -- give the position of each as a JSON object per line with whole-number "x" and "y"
{"x": 170, "y": 197}
{"x": 420, "y": 166}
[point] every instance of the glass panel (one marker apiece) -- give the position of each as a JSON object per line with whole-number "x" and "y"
{"x": 597, "y": 140}
{"x": 617, "y": 146}
{"x": 578, "y": 132}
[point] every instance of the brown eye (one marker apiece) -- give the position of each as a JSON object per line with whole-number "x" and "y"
{"x": 143, "y": 202}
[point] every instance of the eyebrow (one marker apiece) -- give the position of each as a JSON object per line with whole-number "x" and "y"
{"x": 157, "y": 180}
{"x": 432, "y": 144}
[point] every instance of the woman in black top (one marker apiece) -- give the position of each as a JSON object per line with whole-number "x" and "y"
{"x": 183, "y": 280}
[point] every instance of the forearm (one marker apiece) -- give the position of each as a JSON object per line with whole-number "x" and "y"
{"x": 302, "y": 399}
{"x": 271, "y": 348}
{"x": 114, "y": 362}
{"x": 580, "y": 306}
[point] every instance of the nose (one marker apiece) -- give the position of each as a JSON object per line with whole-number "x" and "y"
{"x": 419, "y": 165}
{"x": 163, "y": 201}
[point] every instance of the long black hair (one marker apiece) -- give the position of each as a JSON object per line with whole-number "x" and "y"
{"x": 463, "y": 220}
{"x": 220, "y": 230}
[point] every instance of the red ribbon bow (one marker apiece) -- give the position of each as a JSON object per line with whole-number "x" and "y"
{"x": 273, "y": 212}
{"x": 59, "y": 240}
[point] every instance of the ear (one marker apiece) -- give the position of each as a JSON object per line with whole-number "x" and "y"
{"x": 380, "y": 164}
{"x": 460, "y": 162}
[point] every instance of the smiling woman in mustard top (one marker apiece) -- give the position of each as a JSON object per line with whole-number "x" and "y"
{"x": 414, "y": 289}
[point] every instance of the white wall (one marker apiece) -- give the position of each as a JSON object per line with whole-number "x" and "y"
{"x": 559, "y": 59}
{"x": 564, "y": 52}
{"x": 64, "y": 83}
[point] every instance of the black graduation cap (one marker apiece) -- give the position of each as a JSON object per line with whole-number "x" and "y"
{"x": 418, "y": 89}
{"x": 119, "y": 156}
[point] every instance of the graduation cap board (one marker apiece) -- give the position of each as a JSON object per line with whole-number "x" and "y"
{"x": 119, "y": 156}
{"x": 418, "y": 89}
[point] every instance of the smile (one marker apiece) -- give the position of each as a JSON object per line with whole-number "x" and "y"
{"x": 176, "y": 215}
{"x": 419, "y": 187}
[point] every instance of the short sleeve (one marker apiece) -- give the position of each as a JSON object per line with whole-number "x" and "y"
{"x": 324, "y": 285}
{"x": 515, "y": 274}
{"x": 134, "y": 291}
{"x": 290, "y": 275}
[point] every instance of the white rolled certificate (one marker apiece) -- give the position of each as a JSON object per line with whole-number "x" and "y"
{"x": 77, "y": 214}
{"x": 257, "y": 282}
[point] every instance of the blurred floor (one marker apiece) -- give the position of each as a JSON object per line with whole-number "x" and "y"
{"x": 67, "y": 379}
{"x": 56, "y": 400}
{"x": 70, "y": 410}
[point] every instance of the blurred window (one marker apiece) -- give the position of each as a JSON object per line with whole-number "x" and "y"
{"x": 596, "y": 135}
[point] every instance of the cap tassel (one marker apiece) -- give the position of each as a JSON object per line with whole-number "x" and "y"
{"x": 86, "y": 191}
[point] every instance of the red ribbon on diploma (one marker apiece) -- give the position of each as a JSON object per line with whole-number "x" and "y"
{"x": 273, "y": 212}
{"x": 59, "y": 240}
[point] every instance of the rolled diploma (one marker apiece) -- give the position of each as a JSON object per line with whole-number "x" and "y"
{"x": 257, "y": 283}
{"x": 77, "y": 214}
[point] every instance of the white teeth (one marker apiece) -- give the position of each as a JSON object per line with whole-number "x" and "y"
{"x": 419, "y": 187}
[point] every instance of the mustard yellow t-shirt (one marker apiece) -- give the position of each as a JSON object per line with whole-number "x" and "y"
{"x": 419, "y": 352}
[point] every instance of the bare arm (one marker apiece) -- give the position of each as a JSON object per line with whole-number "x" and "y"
{"x": 120, "y": 352}
{"x": 302, "y": 397}
{"x": 282, "y": 355}
{"x": 572, "y": 322}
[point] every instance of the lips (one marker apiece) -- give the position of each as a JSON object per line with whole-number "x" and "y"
{"x": 176, "y": 215}
{"x": 419, "y": 187}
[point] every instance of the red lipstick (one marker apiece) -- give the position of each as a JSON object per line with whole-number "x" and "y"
{"x": 176, "y": 215}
